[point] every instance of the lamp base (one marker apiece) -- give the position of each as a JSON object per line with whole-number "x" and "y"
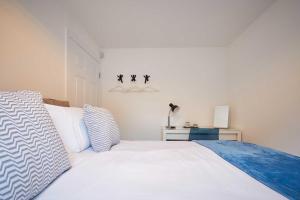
{"x": 170, "y": 127}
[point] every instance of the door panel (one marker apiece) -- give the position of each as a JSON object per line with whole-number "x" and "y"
{"x": 83, "y": 84}
{"x": 80, "y": 91}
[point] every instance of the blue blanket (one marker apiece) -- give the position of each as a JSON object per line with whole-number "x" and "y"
{"x": 277, "y": 170}
{"x": 204, "y": 134}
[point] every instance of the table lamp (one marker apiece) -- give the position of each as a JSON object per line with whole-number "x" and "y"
{"x": 173, "y": 108}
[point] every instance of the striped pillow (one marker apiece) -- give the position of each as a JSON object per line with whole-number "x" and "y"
{"x": 102, "y": 129}
{"x": 32, "y": 154}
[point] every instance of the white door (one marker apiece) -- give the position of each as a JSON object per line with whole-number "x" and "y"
{"x": 83, "y": 80}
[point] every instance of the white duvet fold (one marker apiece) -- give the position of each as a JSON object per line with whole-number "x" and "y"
{"x": 155, "y": 170}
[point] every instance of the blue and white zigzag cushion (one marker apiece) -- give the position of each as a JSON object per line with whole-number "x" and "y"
{"x": 103, "y": 130}
{"x": 32, "y": 154}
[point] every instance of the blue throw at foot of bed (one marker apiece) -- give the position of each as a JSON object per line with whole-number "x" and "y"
{"x": 277, "y": 170}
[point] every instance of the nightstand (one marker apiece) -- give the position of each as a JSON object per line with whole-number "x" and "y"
{"x": 182, "y": 134}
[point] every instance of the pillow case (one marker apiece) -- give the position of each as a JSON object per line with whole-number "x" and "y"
{"x": 102, "y": 129}
{"x": 79, "y": 127}
{"x": 70, "y": 126}
{"x": 62, "y": 123}
{"x": 31, "y": 151}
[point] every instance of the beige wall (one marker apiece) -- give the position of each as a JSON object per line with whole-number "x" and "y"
{"x": 30, "y": 57}
{"x": 263, "y": 75}
{"x": 32, "y": 45}
{"x": 265, "y": 78}
{"x": 193, "y": 78}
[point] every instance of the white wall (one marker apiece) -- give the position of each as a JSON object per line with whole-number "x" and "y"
{"x": 32, "y": 50}
{"x": 265, "y": 78}
{"x": 194, "y": 78}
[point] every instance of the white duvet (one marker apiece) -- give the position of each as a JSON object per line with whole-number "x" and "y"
{"x": 155, "y": 170}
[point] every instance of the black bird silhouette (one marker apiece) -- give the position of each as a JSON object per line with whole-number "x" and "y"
{"x": 120, "y": 78}
{"x": 133, "y": 78}
{"x": 146, "y": 78}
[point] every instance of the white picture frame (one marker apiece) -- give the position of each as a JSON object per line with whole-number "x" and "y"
{"x": 221, "y": 116}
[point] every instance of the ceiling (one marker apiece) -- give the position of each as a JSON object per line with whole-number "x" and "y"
{"x": 166, "y": 23}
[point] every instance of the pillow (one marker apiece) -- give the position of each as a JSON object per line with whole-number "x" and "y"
{"x": 70, "y": 126}
{"x": 62, "y": 123}
{"x": 31, "y": 151}
{"x": 102, "y": 129}
{"x": 79, "y": 128}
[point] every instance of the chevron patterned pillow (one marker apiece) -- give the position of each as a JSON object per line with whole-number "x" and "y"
{"x": 103, "y": 131}
{"x": 31, "y": 152}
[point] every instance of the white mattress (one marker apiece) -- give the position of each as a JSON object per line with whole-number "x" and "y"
{"x": 144, "y": 170}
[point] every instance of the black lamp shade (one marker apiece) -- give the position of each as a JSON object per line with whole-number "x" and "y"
{"x": 173, "y": 107}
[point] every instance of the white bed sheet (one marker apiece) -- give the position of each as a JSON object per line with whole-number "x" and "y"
{"x": 77, "y": 158}
{"x": 144, "y": 170}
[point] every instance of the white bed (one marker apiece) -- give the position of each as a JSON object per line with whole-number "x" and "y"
{"x": 144, "y": 170}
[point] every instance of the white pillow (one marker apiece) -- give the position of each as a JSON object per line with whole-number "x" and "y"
{"x": 70, "y": 126}
{"x": 79, "y": 128}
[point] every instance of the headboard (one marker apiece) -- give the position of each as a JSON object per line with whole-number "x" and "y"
{"x": 56, "y": 102}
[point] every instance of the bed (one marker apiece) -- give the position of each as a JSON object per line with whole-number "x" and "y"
{"x": 46, "y": 153}
{"x": 155, "y": 170}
